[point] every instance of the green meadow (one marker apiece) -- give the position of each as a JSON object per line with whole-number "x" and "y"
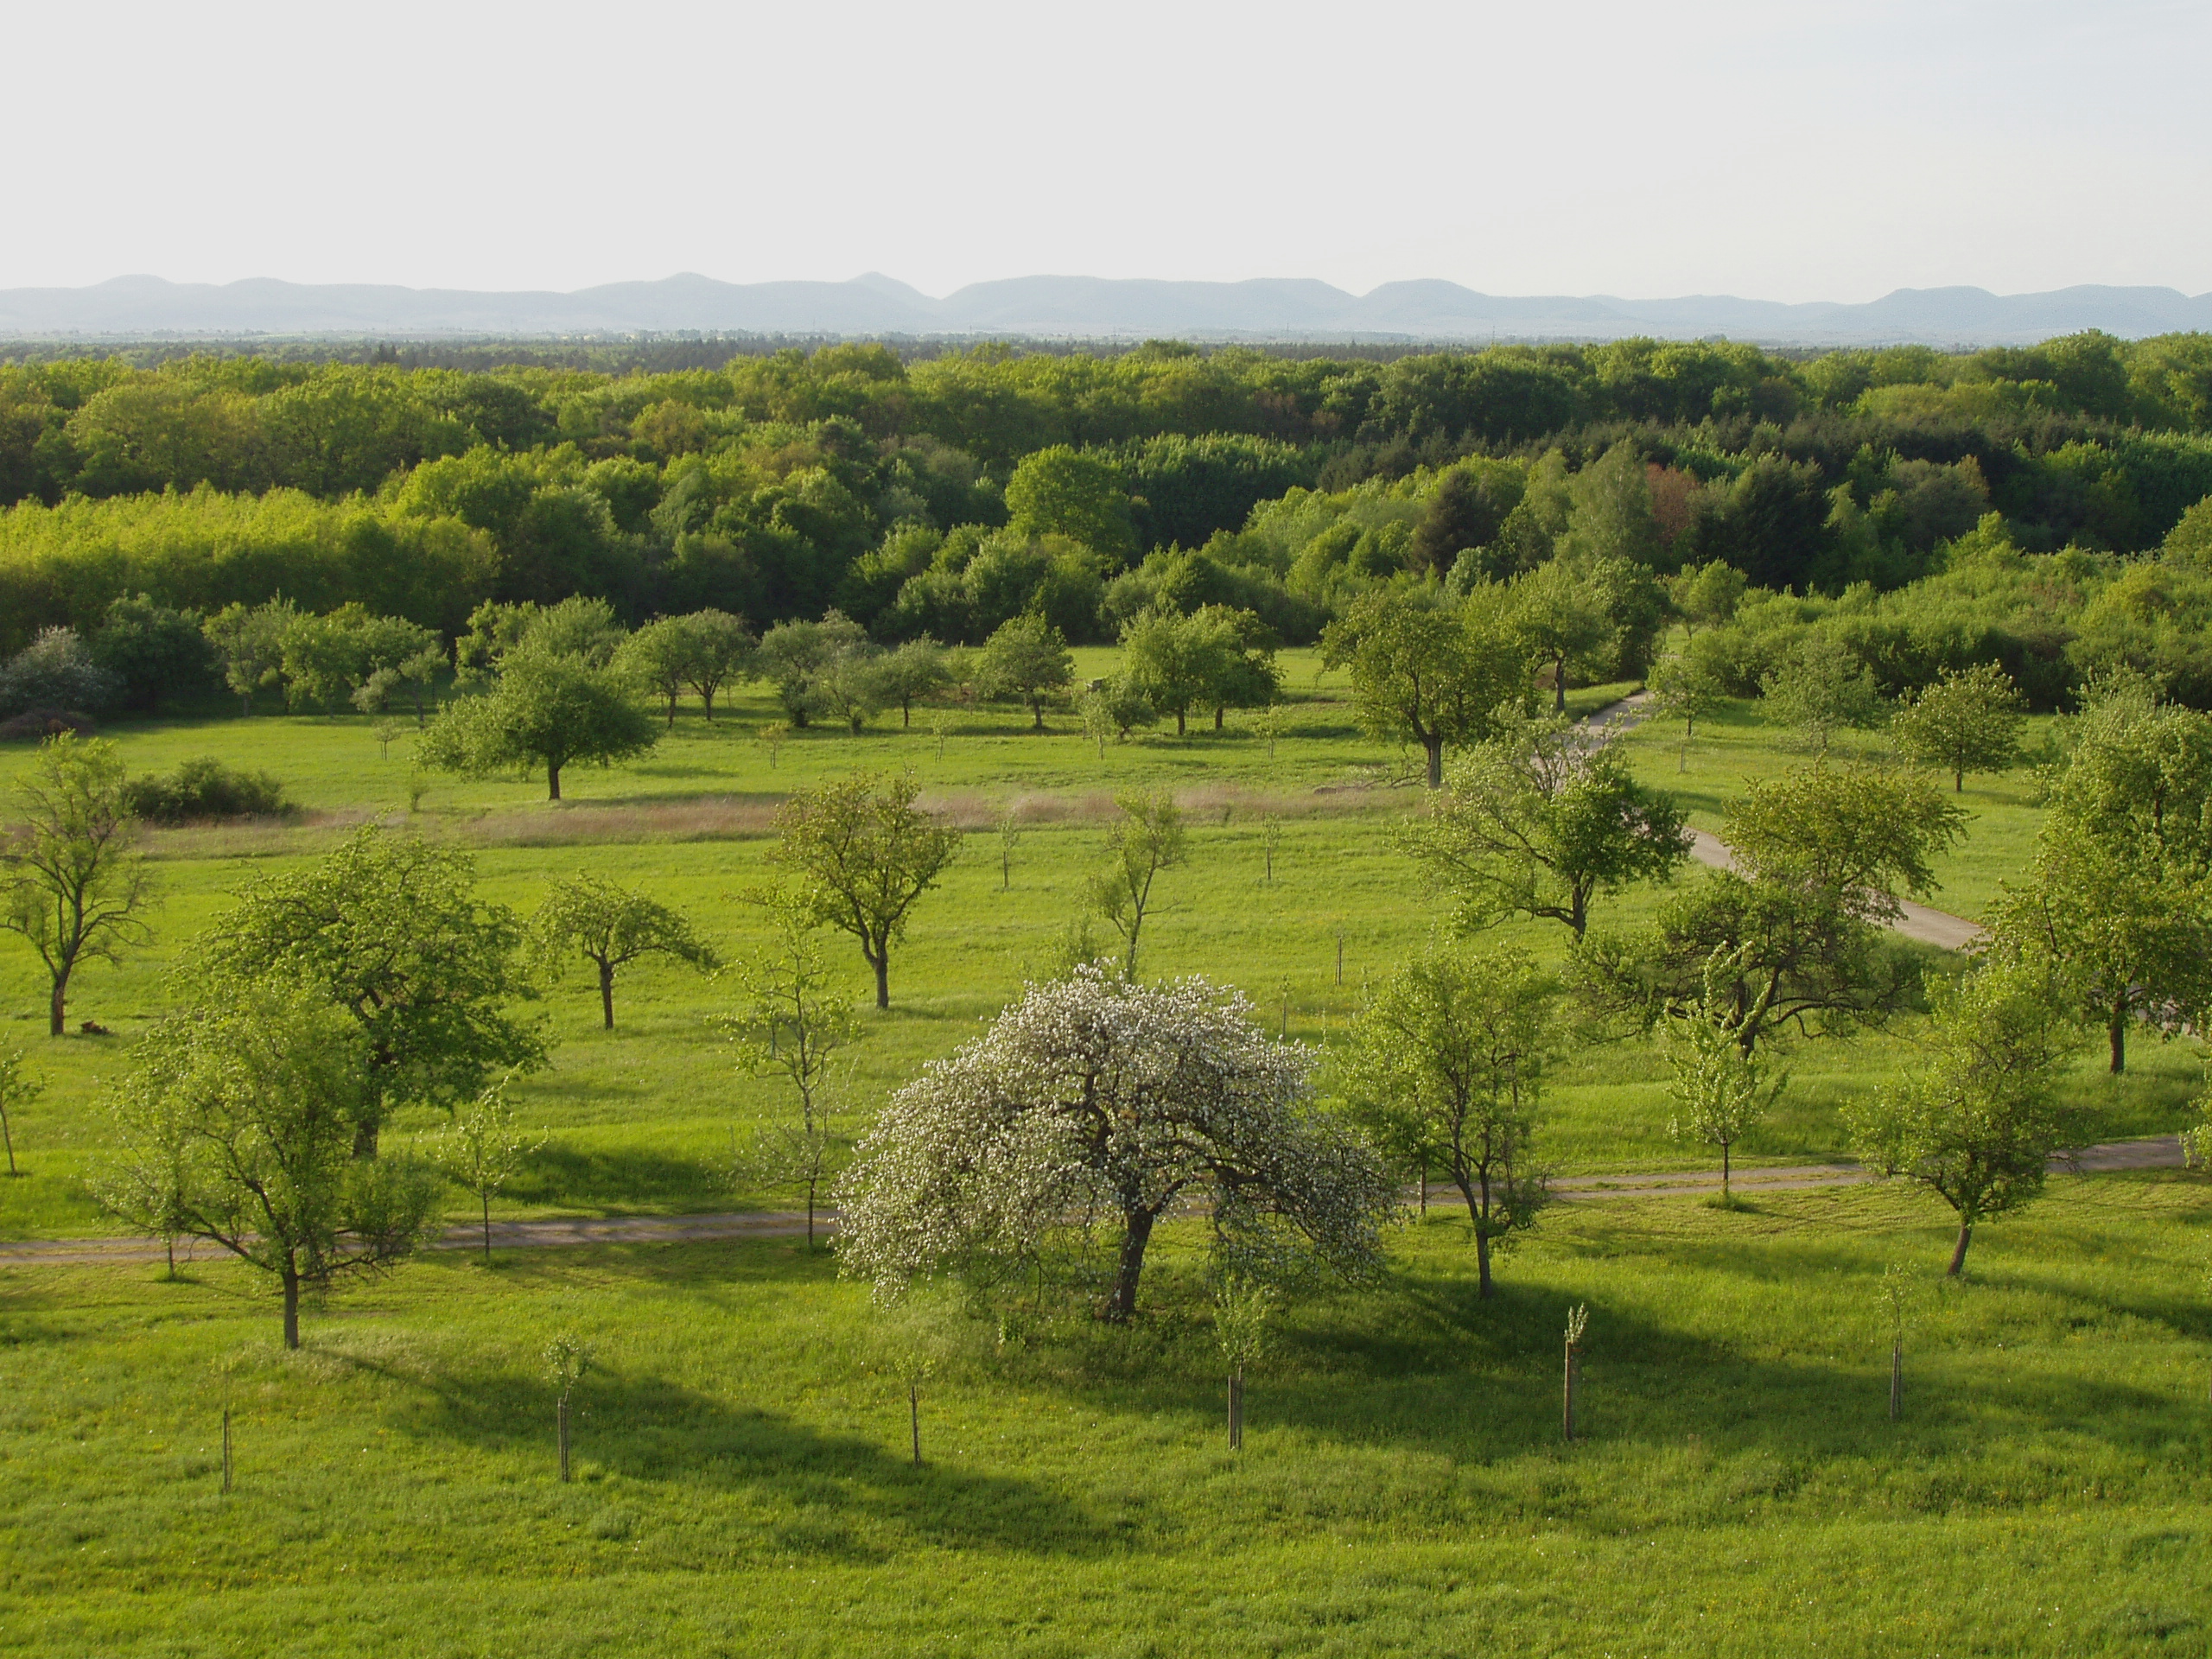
{"x": 744, "y": 1482}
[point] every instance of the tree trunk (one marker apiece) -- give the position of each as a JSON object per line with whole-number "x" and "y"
{"x": 708, "y": 698}
{"x": 1959, "y": 1256}
{"x": 671, "y": 711}
{"x": 1037, "y": 709}
{"x": 1435, "y": 747}
{"x": 1237, "y": 1410}
{"x": 1723, "y": 1174}
{"x": 561, "y": 1432}
{"x": 880, "y": 961}
{"x": 1484, "y": 1289}
{"x": 1896, "y": 1379}
{"x": 607, "y": 993}
{"x": 1569, "y": 1376}
{"x": 57, "y": 1007}
{"x": 1578, "y": 912}
{"x": 364, "y": 1139}
{"x": 1959, "y": 782}
{"x": 1218, "y": 715}
{"x": 552, "y": 781}
{"x": 485, "y": 1193}
{"x": 291, "y": 1305}
{"x": 1558, "y": 687}
{"x": 1179, "y": 723}
{"x": 2117, "y": 1032}
{"x": 1138, "y": 1234}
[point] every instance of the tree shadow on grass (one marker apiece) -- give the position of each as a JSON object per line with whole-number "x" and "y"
{"x": 837, "y": 1495}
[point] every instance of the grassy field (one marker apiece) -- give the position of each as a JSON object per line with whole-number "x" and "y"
{"x": 744, "y": 1484}
{"x": 641, "y": 1120}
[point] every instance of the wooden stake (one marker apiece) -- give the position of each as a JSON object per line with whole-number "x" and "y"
{"x": 914, "y": 1418}
{"x": 1237, "y": 1411}
{"x": 1567, "y": 1407}
{"x": 226, "y": 1448}
{"x": 1896, "y": 1379}
{"x": 561, "y": 1421}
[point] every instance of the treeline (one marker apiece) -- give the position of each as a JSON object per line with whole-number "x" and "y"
{"x": 944, "y": 497}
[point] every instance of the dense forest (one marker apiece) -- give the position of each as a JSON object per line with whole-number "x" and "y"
{"x": 2027, "y": 505}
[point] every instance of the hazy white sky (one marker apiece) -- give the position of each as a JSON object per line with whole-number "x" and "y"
{"x": 1783, "y": 151}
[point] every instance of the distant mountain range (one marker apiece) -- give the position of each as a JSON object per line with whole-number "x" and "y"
{"x": 1077, "y": 307}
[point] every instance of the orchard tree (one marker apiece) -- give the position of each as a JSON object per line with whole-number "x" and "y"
{"x": 916, "y": 670}
{"x": 791, "y": 1025}
{"x": 2117, "y": 902}
{"x": 249, "y": 642}
{"x": 1428, "y": 674}
{"x": 1171, "y": 662}
{"x": 611, "y": 927}
{"x": 721, "y": 650}
{"x": 850, "y": 685}
{"x": 237, "y": 1126}
{"x": 1978, "y": 1122}
{"x": 1968, "y": 721}
{"x": 1026, "y": 660}
{"x": 1540, "y": 819}
{"x": 482, "y": 1148}
{"x": 658, "y": 657}
{"x": 1821, "y": 689}
{"x": 1822, "y": 856}
{"x": 1720, "y": 1088}
{"x": 73, "y": 880}
{"x": 544, "y": 711}
{"x": 793, "y": 655}
{"x": 1685, "y": 688}
{"x": 1095, "y": 1104}
{"x": 1564, "y": 616}
{"x": 390, "y": 930}
{"x": 1149, "y": 837}
{"x": 1448, "y": 1060}
{"x": 18, "y": 1088}
{"x": 864, "y": 853}
{"x": 1245, "y": 675}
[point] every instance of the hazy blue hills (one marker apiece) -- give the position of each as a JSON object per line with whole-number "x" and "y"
{"x": 1084, "y": 307}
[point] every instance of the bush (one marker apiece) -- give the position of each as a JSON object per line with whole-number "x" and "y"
{"x": 55, "y": 672}
{"x": 205, "y": 788}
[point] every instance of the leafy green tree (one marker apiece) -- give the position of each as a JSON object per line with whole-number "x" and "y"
{"x": 2117, "y": 902}
{"x": 153, "y": 650}
{"x": 1094, "y": 1103}
{"x": 1428, "y": 675}
{"x": 1978, "y": 1122}
{"x": 864, "y": 853}
{"x": 1539, "y": 820}
{"x": 1564, "y": 619}
{"x": 612, "y": 926}
{"x": 1171, "y": 661}
{"x": 1821, "y": 689}
{"x": 793, "y": 655}
{"x": 1720, "y": 1088}
{"x": 1464, "y": 511}
{"x": 1449, "y": 1057}
{"x": 484, "y": 1148}
{"x": 658, "y": 657}
{"x": 18, "y": 1088}
{"x": 390, "y": 930}
{"x": 1823, "y": 854}
{"x": 1968, "y": 721}
{"x": 74, "y": 883}
{"x": 1685, "y": 686}
{"x": 723, "y": 650}
{"x": 248, "y": 640}
{"x": 850, "y": 685}
{"x": 791, "y": 1025}
{"x": 1245, "y": 675}
{"x": 1706, "y": 596}
{"x": 1149, "y": 837}
{"x": 1027, "y": 660}
{"x": 237, "y": 1126}
{"x": 55, "y": 672}
{"x": 1062, "y": 491}
{"x": 542, "y": 711}
{"x": 327, "y": 659}
{"x": 916, "y": 670}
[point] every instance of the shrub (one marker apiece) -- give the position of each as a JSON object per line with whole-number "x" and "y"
{"x": 205, "y": 788}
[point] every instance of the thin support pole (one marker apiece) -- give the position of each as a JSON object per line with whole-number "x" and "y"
{"x": 226, "y": 1448}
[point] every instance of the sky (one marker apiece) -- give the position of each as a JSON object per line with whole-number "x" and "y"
{"x": 1771, "y": 150}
